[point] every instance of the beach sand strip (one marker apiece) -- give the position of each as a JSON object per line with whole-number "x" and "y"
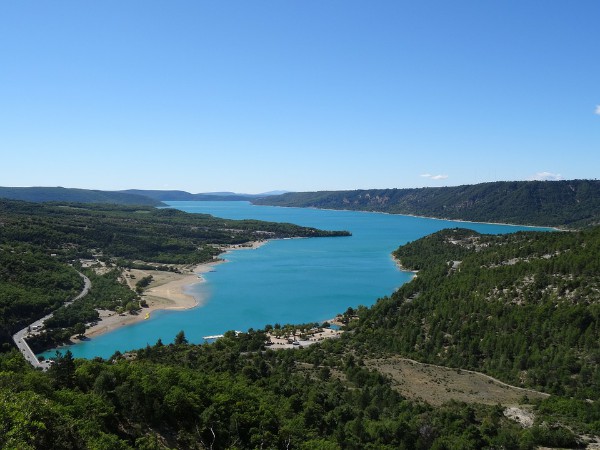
{"x": 168, "y": 290}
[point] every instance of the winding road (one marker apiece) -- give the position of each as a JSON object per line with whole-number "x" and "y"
{"x": 19, "y": 336}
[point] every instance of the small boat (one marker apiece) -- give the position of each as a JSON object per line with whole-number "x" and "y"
{"x": 216, "y": 336}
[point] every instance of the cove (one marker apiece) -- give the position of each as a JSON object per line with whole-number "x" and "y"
{"x": 286, "y": 281}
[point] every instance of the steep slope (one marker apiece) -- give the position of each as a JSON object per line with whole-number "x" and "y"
{"x": 570, "y": 204}
{"x": 523, "y": 307}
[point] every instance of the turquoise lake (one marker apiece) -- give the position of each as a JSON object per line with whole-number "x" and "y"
{"x": 286, "y": 281}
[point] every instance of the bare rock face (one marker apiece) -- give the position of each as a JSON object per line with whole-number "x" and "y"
{"x": 521, "y": 416}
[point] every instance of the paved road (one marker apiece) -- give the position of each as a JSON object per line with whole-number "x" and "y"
{"x": 19, "y": 336}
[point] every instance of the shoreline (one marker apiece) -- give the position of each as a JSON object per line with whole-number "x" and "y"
{"x": 421, "y": 217}
{"x": 168, "y": 291}
{"x": 171, "y": 291}
{"x": 401, "y": 268}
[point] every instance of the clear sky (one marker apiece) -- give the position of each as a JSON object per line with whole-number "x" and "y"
{"x": 255, "y": 95}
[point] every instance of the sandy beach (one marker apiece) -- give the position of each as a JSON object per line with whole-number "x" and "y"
{"x": 168, "y": 290}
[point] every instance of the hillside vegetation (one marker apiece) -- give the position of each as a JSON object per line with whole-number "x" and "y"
{"x": 32, "y": 283}
{"x": 235, "y": 394}
{"x": 524, "y": 308}
{"x": 134, "y": 232}
{"x": 569, "y": 204}
{"x": 60, "y": 194}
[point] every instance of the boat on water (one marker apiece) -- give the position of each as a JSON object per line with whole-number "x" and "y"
{"x": 216, "y": 336}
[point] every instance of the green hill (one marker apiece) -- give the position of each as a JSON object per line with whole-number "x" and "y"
{"x": 60, "y": 194}
{"x": 570, "y": 204}
{"x": 523, "y": 307}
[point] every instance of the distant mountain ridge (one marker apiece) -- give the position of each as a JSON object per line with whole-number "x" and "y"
{"x": 125, "y": 197}
{"x": 61, "y": 194}
{"x": 567, "y": 204}
{"x": 570, "y": 204}
{"x": 186, "y": 196}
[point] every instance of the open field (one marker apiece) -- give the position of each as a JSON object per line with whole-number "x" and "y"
{"x": 436, "y": 385}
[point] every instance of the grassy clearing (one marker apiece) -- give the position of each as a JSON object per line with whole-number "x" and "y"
{"x": 437, "y": 385}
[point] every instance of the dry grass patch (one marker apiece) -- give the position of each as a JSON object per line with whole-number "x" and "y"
{"x": 436, "y": 385}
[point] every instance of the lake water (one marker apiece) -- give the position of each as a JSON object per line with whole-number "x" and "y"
{"x": 286, "y": 281}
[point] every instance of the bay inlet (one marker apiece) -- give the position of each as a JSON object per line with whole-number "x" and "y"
{"x": 286, "y": 281}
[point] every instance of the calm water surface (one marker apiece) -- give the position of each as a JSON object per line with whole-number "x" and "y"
{"x": 286, "y": 281}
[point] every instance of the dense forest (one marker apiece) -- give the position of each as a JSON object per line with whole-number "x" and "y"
{"x": 61, "y": 194}
{"x": 522, "y": 307}
{"x": 569, "y": 204}
{"x": 134, "y": 232}
{"x": 32, "y": 284}
{"x": 236, "y": 394}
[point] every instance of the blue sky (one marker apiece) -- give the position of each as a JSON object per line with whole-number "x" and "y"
{"x": 250, "y": 96}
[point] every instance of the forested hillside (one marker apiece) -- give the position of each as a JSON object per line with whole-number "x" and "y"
{"x": 32, "y": 283}
{"x": 134, "y": 232}
{"x": 236, "y": 394}
{"x": 524, "y": 307}
{"x": 569, "y": 204}
{"x": 60, "y": 194}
